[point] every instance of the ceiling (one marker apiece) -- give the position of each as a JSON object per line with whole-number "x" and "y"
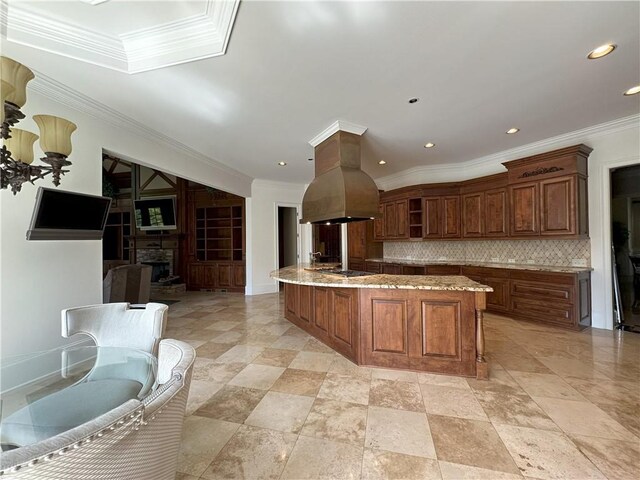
{"x": 291, "y": 69}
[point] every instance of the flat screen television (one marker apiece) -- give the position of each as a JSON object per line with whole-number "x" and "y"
{"x": 155, "y": 213}
{"x": 63, "y": 215}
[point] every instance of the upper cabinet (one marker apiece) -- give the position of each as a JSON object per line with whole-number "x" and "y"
{"x": 539, "y": 196}
{"x": 548, "y": 194}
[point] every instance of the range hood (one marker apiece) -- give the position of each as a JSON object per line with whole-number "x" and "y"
{"x": 340, "y": 191}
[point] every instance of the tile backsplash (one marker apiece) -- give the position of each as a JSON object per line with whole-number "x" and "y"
{"x": 540, "y": 252}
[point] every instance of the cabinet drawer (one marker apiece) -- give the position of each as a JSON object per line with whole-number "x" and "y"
{"x": 544, "y": 312}
{"x": 356, "y": 265}
{"x": 543, "y": 292}
{"x": 391, "y": 269}
{"x": 372, "y": 267}
{"x": 443, "y": 270}
{"x": 412, "y": 270}
{"x": 485, "y": 272}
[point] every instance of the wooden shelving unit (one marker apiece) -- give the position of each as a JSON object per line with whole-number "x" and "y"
{"x": 415, "y": 218}
{"x": 218, "y": 233}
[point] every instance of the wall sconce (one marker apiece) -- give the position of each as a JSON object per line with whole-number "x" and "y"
{"x": 17, "y": 145}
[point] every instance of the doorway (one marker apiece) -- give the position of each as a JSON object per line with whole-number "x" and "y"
{"x": 625, "y": 237}
{"x": 287, "y": 237}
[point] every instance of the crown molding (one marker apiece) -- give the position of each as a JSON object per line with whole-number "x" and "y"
{"x": 338, "y": 125}
{"x": 184, "y": 40}
{"x": 60, "y": 93}
{"x": 491, "y": 164}
{"x": 276, "y": 185}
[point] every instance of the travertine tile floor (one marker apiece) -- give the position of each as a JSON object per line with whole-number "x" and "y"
{"x": 269, "y": 401}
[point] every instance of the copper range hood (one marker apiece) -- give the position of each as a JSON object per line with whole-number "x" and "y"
{"x": 340, "y": 192}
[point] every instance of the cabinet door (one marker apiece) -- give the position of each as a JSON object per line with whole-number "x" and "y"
{"x": 473, "y": 215}
{"x": 524, "y": 210}
{"x": 356, "y": 239}
{"x": 402, "y": 212}
{"x": 291, "y": 300}
{"x": 441, "y": 333}
{"x": 495, "y": 213}
{"x": 451, "y": 216}
{"x": 378, "y": 224}
{"x": 305, "y": 305}
{"x": 343, "y": 320}
{"x": 224, "y": 275}
{"x": 390, "y": 220}
{"x": 558, "y": 206}
{"x": 238, "y": 275}
{"x": 432, "y": 217}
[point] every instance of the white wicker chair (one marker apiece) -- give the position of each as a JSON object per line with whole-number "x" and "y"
{"x": 138, "y": 440}
{"x": 118, "y": 325}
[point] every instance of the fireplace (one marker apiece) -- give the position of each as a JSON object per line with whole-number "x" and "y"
{"x": 160, "y": 270}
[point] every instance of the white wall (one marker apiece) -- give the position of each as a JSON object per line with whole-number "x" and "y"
{"x": 262, "y": 221}
{"x": 611, "y": 150}
{"x": 39, "y": 278}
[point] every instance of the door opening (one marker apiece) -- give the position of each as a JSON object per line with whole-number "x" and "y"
{"x": 287, "y": 237}
{"x": 625, "y": 237}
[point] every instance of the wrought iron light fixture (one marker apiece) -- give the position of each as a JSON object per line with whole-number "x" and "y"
{"x": 17, "y": 145}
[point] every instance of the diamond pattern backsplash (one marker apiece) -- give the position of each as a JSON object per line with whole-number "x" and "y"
{"x": 564, "y": 253}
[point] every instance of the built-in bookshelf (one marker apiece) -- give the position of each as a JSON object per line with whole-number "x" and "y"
{"x": 218, "y": 233}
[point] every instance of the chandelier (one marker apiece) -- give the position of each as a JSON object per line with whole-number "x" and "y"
{"x": 17, "y": 145}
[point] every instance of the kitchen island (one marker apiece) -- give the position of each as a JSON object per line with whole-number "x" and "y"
{"x": 415, "y": 322}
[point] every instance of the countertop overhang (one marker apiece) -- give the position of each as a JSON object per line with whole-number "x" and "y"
{"x": 297, "y": 274}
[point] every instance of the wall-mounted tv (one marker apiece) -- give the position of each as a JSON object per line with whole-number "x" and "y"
{"x": 155, "y": 213}
{"x": 63, "y": 215}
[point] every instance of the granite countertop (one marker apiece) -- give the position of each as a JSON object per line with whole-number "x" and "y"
{"x": 297, "y": 274}
{"x": 467, "y": 263}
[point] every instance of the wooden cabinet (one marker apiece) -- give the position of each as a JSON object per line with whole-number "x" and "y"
{"x": 329, "y": 314}
{"x": 557, "y": 206}
{"x": 524, "y": 210}
{"x": 561, "y": 299}
{"x": 378, "y": 225}
{"x": 361, "y": 244}
{"x": 473, "y": 215}
{"x": 540, "y": 196}
{"x": 215, "y": 240}
{"x": 396, "y": 219}
{"x": 554, "y": 298}
{"x": 548, "y": 194}
{"x": 216, "y": 276}
{"x": 419, "y": 330}
{"x": 498, "y": 279}
{"x": 496, "y": 213}
{"x": 391, "y": 269}
{"x": 432, "y": 209}
{"x": 451, "y": 216}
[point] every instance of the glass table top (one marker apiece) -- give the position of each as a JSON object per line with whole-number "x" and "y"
{"x": 46, "y": 393}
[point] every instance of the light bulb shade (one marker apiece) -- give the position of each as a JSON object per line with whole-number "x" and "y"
{"x": 21, "y": 145}
{"x": 16, "y": 75}
{"x": 5, "y": 90}
{"x": 55, "y": 134}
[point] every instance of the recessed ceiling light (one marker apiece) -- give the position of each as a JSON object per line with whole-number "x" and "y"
{"x": 414, "y": 100}
{"x": 429, "y": 145}
{"x": 382, "y": 162}
{"x": 633, "y": 91}
{"x": 512, "y": 130}
{"x": 282, "y": 164}
{"x": 601, "y": 51}
{"x": 328, "y": 223}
